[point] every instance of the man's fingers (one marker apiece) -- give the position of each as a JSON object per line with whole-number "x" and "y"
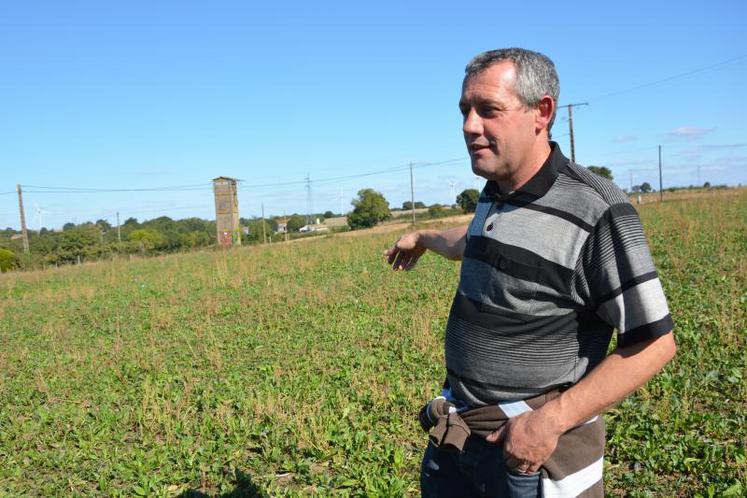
{"x": 391, "y": 253}
{"x": 411, "y": 262}
{"x": 403, "y": 254}
{"x": 396, "y": 247}
{"x": 533, "y": 469}
{"x": 497, "y": 435}
{"x": 521, "y": 466}
{"x": 399, "y": 261}
{"x": 395, "y": 255}
{"x": 515, "y": 464}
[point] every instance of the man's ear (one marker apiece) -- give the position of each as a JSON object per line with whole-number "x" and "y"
{"x": 545, "y": 110}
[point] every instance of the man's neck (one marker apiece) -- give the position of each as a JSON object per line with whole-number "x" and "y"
{"x": 532, "y": 164}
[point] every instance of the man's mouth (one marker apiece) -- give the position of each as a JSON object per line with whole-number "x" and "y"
{"x": 476, "y": 147}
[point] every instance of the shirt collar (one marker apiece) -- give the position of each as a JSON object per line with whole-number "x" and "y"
{"x": 539, "y": 184}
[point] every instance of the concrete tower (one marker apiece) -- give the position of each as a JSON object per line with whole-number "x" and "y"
{"x": 226, "y": 211}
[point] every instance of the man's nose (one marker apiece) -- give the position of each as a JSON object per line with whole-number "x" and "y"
{"x": 472, "y": 123}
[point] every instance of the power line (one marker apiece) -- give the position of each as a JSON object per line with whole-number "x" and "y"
{"x": 155, "y": 210}
{"x": 711, "y": 146}
{"x": 676, "y": 146}
{"x": 320, "y": 181}
{"x": 673, "y": 78}
{"x": 40, "y": 189}
{"x": 323, "y": 180}
{"x": 44, "y": 189}
{"x": 174, "y": 187}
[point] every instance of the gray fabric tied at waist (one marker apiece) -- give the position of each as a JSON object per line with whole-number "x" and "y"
{"x": 449, "y": 429}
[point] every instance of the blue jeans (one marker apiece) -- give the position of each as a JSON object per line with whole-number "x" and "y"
{"x": 478, "y": 470}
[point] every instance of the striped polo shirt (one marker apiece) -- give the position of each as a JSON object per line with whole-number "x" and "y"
{"x": 549, "y": 271}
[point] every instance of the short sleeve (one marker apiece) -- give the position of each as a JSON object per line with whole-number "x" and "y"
{"x": 619, "y": 280}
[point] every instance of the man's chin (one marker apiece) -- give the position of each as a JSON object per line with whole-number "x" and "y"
{"x": 478, "y": 171}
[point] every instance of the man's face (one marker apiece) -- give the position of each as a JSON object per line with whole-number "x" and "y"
{"x": 498, "y": 129}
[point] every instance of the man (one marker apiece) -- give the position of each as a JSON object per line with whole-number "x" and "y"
{"x": 553, "y": 260}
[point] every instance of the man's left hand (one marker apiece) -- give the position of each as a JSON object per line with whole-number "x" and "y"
{"x": 528, "y": 441}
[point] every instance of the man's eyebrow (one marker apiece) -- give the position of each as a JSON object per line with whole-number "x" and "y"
{"x": 479, "y": 101}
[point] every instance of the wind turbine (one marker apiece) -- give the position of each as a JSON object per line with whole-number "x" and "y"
{"x": 451, "y": 189}
{"x": 477, "y": 182}
{"x": 39, "y": 213}
{"x": 340, "y": 198}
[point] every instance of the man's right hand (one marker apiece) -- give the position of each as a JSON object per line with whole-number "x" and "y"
{"x": 404, "y": 254}
{"x": 449, "y": 243}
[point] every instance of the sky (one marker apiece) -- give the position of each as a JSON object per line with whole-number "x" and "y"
{"x": 166, "y": 96}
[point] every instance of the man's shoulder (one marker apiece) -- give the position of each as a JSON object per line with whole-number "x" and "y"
{"x": 605, "y": 189}
{"x": 585, "y": 194}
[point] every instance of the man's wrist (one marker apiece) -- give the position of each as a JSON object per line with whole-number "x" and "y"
{"x": 424, "y": 237}
{"x": 558, "y": 421}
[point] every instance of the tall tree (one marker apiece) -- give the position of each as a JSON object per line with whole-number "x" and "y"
{"x": 103, "y": 224}
{"x": 147, "y": 238}
{"x": 467, "y": 200}
{"x": 295, "y": 222}
{"x": 8, "y": 260}
{"x": 602, "y": 171}
{"x": 369, "y": 209}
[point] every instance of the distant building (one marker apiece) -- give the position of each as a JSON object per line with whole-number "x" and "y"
{"x": 226, "y": 211}
{"x": 313, "y": 228}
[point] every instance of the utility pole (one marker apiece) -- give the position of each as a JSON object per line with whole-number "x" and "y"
{"x": 119, "y": 230}
{"x": 309, "y": 206}
{"x": 661, "y": 190}
{"x": 570, "y": 126}
{"x": 631, "y": 181}
{"x": 264, "y": 236}
{"x": 412, "y": 195}
{"x": 23, "y": 220}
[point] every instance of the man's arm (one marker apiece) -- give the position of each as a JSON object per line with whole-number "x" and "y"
{"x": 531, "y": 437}
{"x": 407, "y": 250}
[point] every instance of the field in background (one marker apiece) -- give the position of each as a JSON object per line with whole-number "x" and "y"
{"x": 298, "y": 369}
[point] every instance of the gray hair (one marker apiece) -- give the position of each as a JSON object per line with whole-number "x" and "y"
{"x": 535, "y": 74}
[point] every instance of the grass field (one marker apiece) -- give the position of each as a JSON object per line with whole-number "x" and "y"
{"x": 298, "y": 369}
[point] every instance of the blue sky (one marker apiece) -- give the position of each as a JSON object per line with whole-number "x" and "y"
{"x": 150, "y": 94}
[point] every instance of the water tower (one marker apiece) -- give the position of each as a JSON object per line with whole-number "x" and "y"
{"x": 226, "y": 211}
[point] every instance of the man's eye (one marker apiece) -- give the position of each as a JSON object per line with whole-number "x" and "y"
{"x": 488, "y": 111}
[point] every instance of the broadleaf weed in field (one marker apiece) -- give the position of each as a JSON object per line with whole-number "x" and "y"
{"x": 298, "y": 370}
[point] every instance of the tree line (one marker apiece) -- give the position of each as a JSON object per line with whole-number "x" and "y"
{"x": 88, "y": 241}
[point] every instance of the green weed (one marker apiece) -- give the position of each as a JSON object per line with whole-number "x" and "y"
{"x": 298, "y": 369}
